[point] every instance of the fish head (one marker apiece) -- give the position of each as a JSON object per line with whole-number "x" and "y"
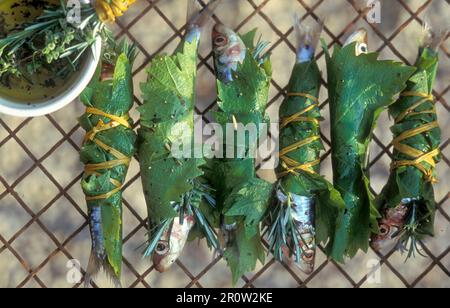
{"x": 163, "y": 258}
{"x": 385, "y": 237}
{"x": 390, "y": 227}
{"x": 308, "y": 261}
{"x": 308, "y": 253}
{"x": 229, "y": 51}
{"x": 170, "y": 247}
{"x": 361, "y": 38}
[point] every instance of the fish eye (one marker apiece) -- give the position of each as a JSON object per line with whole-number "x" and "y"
{"x": 384, "y": 230}
{"x": 162, "y": 248}
{"x": 362, "y": 49}
{"x": 220, "y": 40}
{"x": 308, "y": 255}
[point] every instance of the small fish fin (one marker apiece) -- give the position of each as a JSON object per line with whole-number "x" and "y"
{"x": 307, "y": 35}
{"x": 430, "y": 38}
{"x": 200, "y": 18}
{"x": 112, "y": 276}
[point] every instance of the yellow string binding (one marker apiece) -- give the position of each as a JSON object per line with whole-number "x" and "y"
{"x": 418, "y": 157}
{"x": 290, "y": 165}
{"x": 121, "y": 159}
{"x": 109, "y": 10}
{"x": 411, "y": 110}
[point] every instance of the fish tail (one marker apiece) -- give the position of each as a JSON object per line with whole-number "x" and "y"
{"x": 109, "y": 271}
{"x": 97, "y": 256}
{"x": 199, "y": 19}
{"x": 93, "y": 268}
{"x": 98, "y": 259}
{"x": 431, "y": 39}
{"x": 307, "y": 35}
{"x": 95, "y": 265}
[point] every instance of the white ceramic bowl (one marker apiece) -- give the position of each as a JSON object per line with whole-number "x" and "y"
{"x": 84, "y": 76}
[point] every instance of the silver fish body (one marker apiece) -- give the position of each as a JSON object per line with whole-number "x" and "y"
{"x": 96, "y": 229}
{"x": 193, "y": 34}
{"x": 98, "y": 251}
{"x": 302, "y": 214}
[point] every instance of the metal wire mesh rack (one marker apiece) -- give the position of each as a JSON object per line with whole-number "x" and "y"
{"x": 42, "y": 212}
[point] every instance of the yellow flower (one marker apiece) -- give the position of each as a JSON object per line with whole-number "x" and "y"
{"x": 109, "y": 10}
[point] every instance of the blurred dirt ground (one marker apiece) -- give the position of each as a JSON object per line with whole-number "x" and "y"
{"x": 44, "y": 214}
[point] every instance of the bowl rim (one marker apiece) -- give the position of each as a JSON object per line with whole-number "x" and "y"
{"x": 86, "y": 72}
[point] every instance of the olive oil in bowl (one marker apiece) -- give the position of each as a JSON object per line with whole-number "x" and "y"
{"x": 40, "y": 87}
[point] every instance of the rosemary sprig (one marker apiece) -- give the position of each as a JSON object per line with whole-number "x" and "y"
{"x": 189, "y": 206}
{"x": 283, "y": 233}
{"x": 50, "y": 42}
{"x": 412, "y": 234}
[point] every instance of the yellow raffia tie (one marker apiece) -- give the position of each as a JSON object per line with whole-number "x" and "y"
{"x": 109, "y": 10}
{"x": 418, "y": 157}
{"x": 298, "y": 117}
{"x": 121, "y": 120}
{"x": 411, "y": 110}
{"x": 292, "y": 166}
{"x": 121, "y": 159}
{"x": 109, "y": 194}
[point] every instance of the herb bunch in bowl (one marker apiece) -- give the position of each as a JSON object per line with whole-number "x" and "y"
{"x": 56, "y": 41}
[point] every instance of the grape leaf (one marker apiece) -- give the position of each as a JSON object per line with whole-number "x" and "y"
{"x": 251, "y": 202}
{"x": 360, "y": 88}
{"x": 244, "y": 254}
{"x": 167, "y": 118}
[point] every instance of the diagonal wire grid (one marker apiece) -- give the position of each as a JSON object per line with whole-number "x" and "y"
{"x": 42, "y": 210}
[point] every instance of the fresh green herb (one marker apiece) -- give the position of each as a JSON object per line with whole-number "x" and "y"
{"x": 50, "y": 42}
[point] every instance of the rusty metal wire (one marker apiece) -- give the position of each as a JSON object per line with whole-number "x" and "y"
{"x": 140, "y": 278}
